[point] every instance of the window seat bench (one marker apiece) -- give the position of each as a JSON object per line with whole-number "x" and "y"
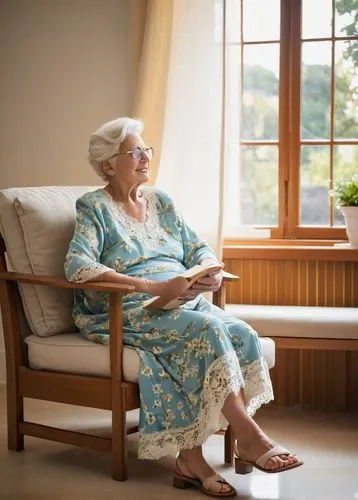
{"x": 302, "y": 327}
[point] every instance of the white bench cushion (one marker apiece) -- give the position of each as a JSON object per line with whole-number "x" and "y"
{"x": 73, "y": 353}
{"x": 299, "y": 321}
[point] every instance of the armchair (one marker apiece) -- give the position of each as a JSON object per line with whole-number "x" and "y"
{"x": 36, "y": 225}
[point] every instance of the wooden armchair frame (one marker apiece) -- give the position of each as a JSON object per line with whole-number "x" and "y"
{"x": 111, "y": 393}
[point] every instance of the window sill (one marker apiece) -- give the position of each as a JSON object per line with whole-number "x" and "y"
{"x": 229, "y": 242}
{"x": 296, "y": 251}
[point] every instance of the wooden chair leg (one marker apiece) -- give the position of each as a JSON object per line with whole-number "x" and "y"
{"x": 118, "y": 390}
{"x": 229, "y": 445}
{"x": 119, "y": 446}
{"x": 15, "y": 415}
{"x": 119, "y": 434}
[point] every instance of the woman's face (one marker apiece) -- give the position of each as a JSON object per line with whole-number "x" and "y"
{"x": 132, "y": 163}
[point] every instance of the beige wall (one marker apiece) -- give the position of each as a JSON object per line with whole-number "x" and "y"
{"x": 64, "y": 67}
{"x": 64, "y": 71}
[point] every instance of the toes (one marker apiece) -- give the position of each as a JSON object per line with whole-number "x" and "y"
{"x": 291, "y": 459}
{"x": 275, "y": 463}
{"x": 278, "y": 462}
{"x": 282, "y": 461}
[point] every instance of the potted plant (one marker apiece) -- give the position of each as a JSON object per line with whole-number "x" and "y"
{"x": 346, "y": 194}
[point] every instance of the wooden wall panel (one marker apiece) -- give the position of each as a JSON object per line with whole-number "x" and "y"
{"x": 279, "y": 282}
{"x": 316, "y": 380}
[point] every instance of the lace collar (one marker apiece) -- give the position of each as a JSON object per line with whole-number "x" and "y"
{"x": 149, "y": 233}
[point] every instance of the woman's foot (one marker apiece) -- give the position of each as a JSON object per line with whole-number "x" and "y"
{"x": 191, "y": 468}
{"x": 253, "y": 448}
{"x": 264, "y": 454}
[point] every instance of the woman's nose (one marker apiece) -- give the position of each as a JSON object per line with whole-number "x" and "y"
{"x": 145, "y": 156}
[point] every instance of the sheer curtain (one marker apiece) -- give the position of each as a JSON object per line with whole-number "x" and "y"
{"x": 191, "y": 166}
{"x": 193, "y": 109}
{"x": 151, "y": 33}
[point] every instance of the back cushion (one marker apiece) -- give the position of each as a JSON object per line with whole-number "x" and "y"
{"x": 37, "y": 225}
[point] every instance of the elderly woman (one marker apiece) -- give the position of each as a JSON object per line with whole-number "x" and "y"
{"x": 200, "y": 368}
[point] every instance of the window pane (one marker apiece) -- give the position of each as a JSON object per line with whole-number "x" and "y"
{"x": 346, "y": 21}
{"x": 259, "y": 185}
{"x": 345, "y": 161}
{"x": 260, "y": 92}
{"x": 316, "y": 90}
{"x": 314, "y": 186}
{"x": 346, "y": 90}
{"x": 261, "y": 20}
{"x": 316, "y": 18}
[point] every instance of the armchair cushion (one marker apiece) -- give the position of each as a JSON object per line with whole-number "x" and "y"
{"x": 73, "y": 353}
{"x": 37, "y": 225}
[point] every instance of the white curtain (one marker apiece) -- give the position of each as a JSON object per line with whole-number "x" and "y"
{"x": 193, "y": 144}
{"x": 186, "y": 65}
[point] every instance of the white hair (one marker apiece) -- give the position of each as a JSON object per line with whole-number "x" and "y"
{"x": 105, "y": 142}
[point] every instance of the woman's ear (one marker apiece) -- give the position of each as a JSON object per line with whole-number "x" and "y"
{"x": 107, "y": 168}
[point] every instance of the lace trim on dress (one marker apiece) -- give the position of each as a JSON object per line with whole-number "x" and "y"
{"x": 223, "y": 377}
{"x": 257, "y": 385}
{"x": 149, "y": 233}
{"x": 90, "y": 272}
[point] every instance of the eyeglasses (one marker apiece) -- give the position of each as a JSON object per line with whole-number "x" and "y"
{"x": 138, "y": 153}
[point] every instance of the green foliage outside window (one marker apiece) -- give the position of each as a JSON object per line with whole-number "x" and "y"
{"x": 350, "y": 7}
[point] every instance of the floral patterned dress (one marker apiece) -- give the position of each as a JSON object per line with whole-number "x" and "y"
{"x": 192, "y": 357}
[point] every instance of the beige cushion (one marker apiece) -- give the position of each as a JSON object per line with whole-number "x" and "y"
{"x": 299, "y": 321}
{"x": 73, "y": 353}
{"x": 37, "y": 225}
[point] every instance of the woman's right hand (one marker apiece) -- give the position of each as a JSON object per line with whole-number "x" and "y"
{"x": 168, "y": 289}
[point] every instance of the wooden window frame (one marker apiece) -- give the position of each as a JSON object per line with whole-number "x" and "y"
{"x": 289, "y": 138}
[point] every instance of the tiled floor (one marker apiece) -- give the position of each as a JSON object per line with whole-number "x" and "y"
{"x": 45, "y": 470}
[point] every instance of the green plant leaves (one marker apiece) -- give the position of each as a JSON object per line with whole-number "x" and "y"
{"x": 346, "y": 193}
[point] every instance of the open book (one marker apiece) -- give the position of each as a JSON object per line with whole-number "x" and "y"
{"x": 191, "y": 276}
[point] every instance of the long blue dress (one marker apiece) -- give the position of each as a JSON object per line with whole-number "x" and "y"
{"x": 191, "y": 357}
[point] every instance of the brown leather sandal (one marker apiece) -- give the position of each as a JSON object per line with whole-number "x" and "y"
{"x": 211, "y": 486}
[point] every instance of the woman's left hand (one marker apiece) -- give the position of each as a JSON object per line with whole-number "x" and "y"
{"x": 210, "y": 283}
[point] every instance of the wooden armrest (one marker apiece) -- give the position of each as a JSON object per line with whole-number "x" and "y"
{"x": 229, "y": 277}
{"x": 60, "y": 282}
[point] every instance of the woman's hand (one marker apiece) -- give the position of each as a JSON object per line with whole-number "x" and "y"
{"x": 210, "y": 283}
{"x": 178, "y": 287}
{"x": 168, "y": 289}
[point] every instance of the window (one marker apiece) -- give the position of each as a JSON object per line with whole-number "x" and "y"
{"x": 297, "y": 64}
